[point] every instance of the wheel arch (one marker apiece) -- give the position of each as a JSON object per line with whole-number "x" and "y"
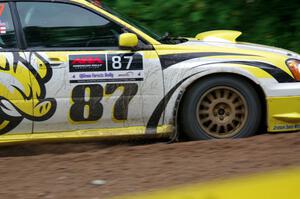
{"x": 181, "y": 97}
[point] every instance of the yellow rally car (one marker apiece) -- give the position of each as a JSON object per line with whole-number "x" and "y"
{"x": 77, "y": 69}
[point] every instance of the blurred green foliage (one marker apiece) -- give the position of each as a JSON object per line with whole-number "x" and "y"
{"x": 271, "y": 22}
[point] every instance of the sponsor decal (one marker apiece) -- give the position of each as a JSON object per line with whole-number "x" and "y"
{"x": 106, "y": 68}
{"x": 2, "y": 28}
{"x": 27, "y": 98}
{"x": 126, "y": 74}
{"x": 87, "y": 63}
{"x": 2, "y": 6}
{"x": 94, "y": 75}
{"x": 286, "y": 127}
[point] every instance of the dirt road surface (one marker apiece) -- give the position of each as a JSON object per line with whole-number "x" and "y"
{"x": 67, "y": 170}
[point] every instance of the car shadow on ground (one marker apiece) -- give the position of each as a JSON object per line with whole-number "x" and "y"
{"x": 68, "y": 147}
{"x": 59, "y": 148}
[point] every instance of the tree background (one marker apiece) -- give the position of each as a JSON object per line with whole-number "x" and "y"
{"x": 270, "y": 22}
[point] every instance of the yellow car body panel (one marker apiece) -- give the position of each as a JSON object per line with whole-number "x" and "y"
{"x": 95, "y": 134}
{"x": 221, "y": 35}
{"x": 284, "y": 113}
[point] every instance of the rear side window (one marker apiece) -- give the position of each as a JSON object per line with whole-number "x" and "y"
{"x": 60, "y": 25}
{"x": 7, "y": 31}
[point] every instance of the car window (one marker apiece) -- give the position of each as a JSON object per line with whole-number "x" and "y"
{"x": 55, "y": 25}
{"x": 7, "y": 31}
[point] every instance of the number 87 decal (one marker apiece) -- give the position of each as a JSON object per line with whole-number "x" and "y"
{"x": 125, "y": 62}
{"x": 117, "y": 62}
{"x": 86, "y": 103}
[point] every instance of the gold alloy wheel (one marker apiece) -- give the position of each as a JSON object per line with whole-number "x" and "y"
{"x": 222, "y": 112}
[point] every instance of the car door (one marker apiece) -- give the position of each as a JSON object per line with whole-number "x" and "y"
{"x": 16, "y": 113}
{"x": 89, "y": 82}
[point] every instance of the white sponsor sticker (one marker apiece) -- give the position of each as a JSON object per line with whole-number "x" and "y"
{"x": 2, "y": 28}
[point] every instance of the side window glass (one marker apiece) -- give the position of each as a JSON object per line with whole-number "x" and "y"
{"x": 56, "y": 25}
{"x": 7, "y": 31}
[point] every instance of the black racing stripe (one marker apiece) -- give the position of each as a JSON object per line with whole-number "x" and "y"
{"x": 171, "y": 59}
{"x": 280, "y": 75}
{"x": 157, "y": 113}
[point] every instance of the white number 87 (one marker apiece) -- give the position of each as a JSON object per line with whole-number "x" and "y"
{"x": 117, "y": 62}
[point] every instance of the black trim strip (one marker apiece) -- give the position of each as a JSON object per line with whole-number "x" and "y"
{"x": 278, "y": 74}
{"x": 171, "y": 59}
{"x": 157, "y": 113}
{"x": 17, "y": 25}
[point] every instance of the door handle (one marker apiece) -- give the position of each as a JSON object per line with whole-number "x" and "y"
{"x": 56, "y": 62}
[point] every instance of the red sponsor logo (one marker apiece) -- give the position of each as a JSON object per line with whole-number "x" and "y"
{"x": 87, "y": 60}
{"x": 2, "y": 6}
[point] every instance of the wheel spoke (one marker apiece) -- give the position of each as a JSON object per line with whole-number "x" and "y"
{"x": 210, "y": 126}
{"x": 238, "y": 104}
{"x": 226, "y": 94}
{"x": 234, "y": 99}
{"x": 218, "y": 129}
{"x": 226, "y": 128}
{"x": 218, "y": 93}
{"x": 205, "y": 104}
{"x": 210, "y": 97}
{"x": 205, "y": 120}
{"x": 238, "y": 119}
{"x": 204, "y": 111}
{"x": 239, "y": 111}
{"x": 232, "y": 124}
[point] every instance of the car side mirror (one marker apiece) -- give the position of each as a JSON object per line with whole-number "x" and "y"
{"x": 128, "y": 41}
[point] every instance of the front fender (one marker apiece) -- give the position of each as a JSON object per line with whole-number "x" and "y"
{"x": 174, "y": 76}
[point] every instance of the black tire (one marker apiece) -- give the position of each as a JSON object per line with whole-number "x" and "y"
{"x": 192, "y": 109}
